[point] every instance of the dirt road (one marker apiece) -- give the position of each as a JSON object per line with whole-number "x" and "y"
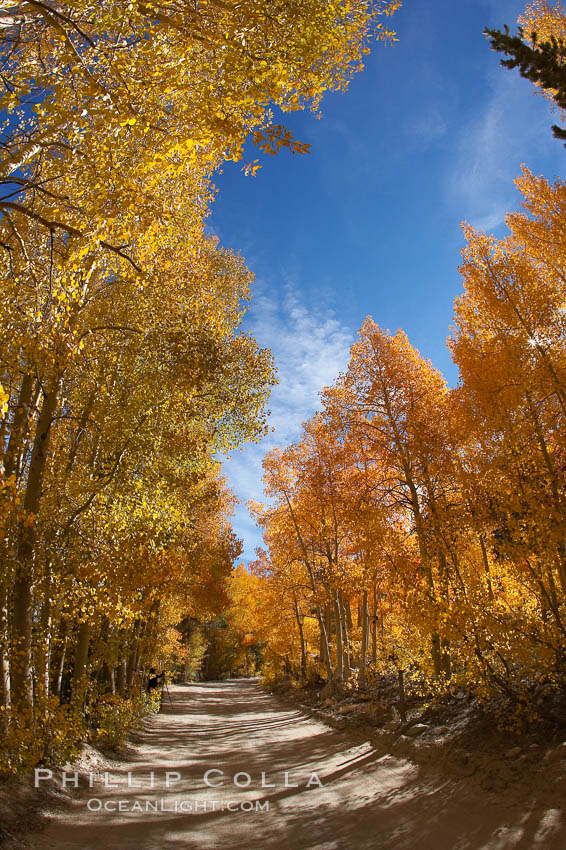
{"x": 349, "y": 796}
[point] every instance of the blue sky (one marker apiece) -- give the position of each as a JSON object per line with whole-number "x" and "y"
{"x": 431, "y": 133}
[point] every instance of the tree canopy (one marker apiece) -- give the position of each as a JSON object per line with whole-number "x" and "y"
{"x": 125, "y": 373}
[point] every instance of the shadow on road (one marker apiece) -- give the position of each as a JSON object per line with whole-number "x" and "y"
{"x": 361, "y": 798}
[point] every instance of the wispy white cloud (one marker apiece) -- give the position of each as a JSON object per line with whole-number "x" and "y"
{"x": 427, "y": 127}
{"x": 310, "y": 346}
{"x": 505, "y": 130}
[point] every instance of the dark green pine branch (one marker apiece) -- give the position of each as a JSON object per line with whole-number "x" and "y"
{"x": 541, "y": 62}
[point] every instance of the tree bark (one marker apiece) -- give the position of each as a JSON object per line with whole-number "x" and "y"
{"x": 58, "y": 658}
{"x": 108, "y": 677}
{"x": 18, "y": 429}
{"x": 339, "y": 642}
{"x": 132, "y": 663}
{"x": 79, "y": 680}
{"x": 121, "y": 678}
{"x": 374, "y": 626}
{"x": 364, "y": 647}
{"x": 302, "y": 638}
{"x": 43, "y": 648}
{"x": 20, "y": 668}
{"x": 343, "y": 609}
{"x": 325, "y": 647}
{"x": 4, "y": 661}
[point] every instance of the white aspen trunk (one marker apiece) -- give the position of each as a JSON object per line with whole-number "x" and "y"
{"x": 364, "y": 647}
